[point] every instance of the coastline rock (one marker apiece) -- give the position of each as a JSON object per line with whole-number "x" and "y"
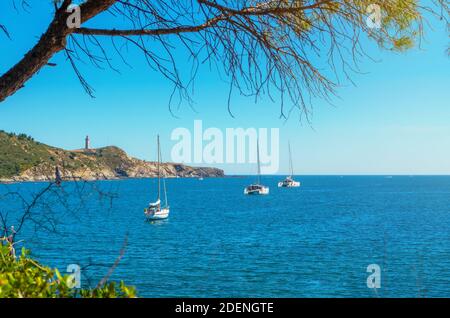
{"x": 23, "y": 159}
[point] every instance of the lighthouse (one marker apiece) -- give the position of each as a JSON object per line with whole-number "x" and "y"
{"x": 87, "y": 143}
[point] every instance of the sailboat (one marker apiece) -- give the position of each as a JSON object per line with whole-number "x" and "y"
{"x": 154, "y": 210}
{"x": 289, "y": 182}
{"x": 257, "y": 188}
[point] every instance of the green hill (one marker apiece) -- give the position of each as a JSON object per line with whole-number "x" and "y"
{"x": 19, "y": 153}
{"x": 24, "y": 159}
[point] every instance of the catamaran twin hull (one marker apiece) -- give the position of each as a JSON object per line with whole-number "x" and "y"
{"x": 157, "y": 215}
{"x": 290, "y": 184}
{"x": 256, "y": 190}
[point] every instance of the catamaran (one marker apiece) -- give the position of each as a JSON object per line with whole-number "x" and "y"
{"x": 289, "y": 182}
{"x": 257, "y": 188}
{"x": 154, "y": 210}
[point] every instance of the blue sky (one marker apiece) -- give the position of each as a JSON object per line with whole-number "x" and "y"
{"x": 394, "y": 121}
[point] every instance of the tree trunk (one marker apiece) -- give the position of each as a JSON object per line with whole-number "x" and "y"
{"x": 50, "y": 43}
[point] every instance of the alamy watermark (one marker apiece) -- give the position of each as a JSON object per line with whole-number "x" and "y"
{"x": 373, "y": 21}
{"x": 374, "y": 279}
{"x": 235, "y": 145}
{"x": 74, "y": 19}
{"x": 74, "y": 271}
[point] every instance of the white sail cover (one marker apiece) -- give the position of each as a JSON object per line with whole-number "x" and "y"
{"x": 155, "y": 204}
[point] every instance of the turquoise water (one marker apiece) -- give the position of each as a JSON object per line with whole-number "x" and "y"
{"x": 312, "y": 241}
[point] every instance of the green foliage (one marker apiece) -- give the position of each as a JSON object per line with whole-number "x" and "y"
{"x": 25, "y": 278}
{"x": 403, "y": 43}
{"x": 19, "y": 153}
{"x": 400, "y": 20}
{"x": 109, "y": 291}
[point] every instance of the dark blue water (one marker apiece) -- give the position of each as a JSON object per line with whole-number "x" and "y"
{"x": 312, "y": 241}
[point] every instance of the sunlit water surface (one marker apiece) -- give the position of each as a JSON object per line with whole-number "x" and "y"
{"x": 312, "y": 241}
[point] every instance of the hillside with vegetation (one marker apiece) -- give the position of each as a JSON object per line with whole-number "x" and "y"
{"x": 24, "y": 159}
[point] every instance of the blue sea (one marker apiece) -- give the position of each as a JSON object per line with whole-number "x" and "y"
{"x": 312, "y": 241}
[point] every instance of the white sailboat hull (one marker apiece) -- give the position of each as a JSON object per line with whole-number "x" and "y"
{"x": 154, "y": 210}
{"x": 289, "y": 182}
{"x": 260, "y": 191}
{"x": 157, "y": 215}
{"x": 257, "y": 188}
{"x": 292, "y": 184}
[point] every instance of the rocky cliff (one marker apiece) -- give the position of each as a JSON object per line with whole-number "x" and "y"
{"x": 23, "y": 159}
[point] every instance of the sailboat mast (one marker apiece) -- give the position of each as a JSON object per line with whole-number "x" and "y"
{"x": 159, "y": 172}
{"x": 164, "y": 181}
{"x": 259, "y": 166}
{"x": 290, "y": 160}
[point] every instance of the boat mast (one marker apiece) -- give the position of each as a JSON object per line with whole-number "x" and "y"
{"x": 159, "y": 172}
{"x": 164, "y": 181}
{"x": 165, "y": 193}
{"x": 290, "y": 160}
{"x": 259, "y": 166}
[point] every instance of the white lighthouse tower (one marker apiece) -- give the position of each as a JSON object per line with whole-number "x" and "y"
{"x": 87, "y": 142}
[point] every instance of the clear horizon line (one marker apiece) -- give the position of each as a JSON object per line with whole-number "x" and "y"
{"x": 349, "y": 175}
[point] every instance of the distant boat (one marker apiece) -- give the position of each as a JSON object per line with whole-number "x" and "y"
{"x": 200, "y": 179}
{"x": 257, "y": 188}
{"x": 289, "y": 182}
{"x": 154, "y": 210}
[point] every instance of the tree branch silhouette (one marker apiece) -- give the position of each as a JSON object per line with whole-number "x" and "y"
{"x": 290, "y": 50}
